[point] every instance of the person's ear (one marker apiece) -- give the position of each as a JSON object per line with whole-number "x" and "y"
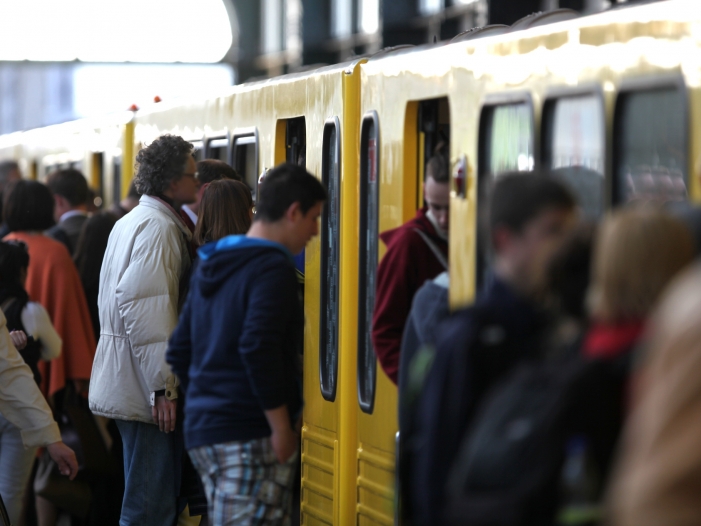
{"x": 294, "y": 211}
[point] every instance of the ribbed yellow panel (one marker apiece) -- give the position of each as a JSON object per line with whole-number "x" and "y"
{"x": 319, "y": 487}
{"x": 375, "y": 487}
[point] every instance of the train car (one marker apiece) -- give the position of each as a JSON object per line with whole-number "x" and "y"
{"x": 309, "y": 119}
{"x": 101, "y": 148}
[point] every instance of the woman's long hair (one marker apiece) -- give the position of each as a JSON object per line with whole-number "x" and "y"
{"x": 225, "y": 210}
{"x": 91, "y": 247}
{"x": 637, "y": 253}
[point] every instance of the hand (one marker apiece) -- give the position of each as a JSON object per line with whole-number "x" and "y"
{"x": 19, "y": 339}
{"x": 285, "y": 444}
{"x": 65, "y": 458}
{"x": 164, "y": 413}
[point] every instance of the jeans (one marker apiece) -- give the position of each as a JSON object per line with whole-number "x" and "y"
{"x": 151, "y": 481}
{"x": 15, "y": 467}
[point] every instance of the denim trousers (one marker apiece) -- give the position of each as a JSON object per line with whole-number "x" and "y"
{"x": 15, "y": 467}
{"x": 150, "y": 477}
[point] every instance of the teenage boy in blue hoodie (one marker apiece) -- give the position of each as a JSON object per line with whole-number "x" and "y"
{"x": 236, "y": 353}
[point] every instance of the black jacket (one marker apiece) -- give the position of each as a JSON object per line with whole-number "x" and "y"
{"x": 473, "y": 348}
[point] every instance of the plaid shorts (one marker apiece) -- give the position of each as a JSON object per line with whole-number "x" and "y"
{"x": 245, "y": 484}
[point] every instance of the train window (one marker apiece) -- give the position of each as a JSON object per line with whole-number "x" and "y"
{"x": 506, "y": 139}
{"x": 296, "y": 141}
{"x": 368, "y": 257}
{"x": 574, "y": 147}
{"x": 197, "y": 152}
{"x": 650, "y": 148}
{"x": 116, "y": 180}
{"x": 330, "y": 260}
{"x": 217, "y": 149}
{"x": 506, "y": 144}
{"x": 245, "y": 157}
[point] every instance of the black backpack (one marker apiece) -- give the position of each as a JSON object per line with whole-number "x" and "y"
{"x": 509, "y": 466}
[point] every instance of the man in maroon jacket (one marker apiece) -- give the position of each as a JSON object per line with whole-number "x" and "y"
{"x": 416, "y": 251}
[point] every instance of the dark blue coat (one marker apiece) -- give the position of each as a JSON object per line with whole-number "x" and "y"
{"x": 473, "y": 348}
{"x": 237, "y": 344}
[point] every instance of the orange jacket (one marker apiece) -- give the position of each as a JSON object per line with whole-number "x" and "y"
{"x": 53, "y": 281}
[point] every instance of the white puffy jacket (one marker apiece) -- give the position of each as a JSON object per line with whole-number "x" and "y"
{"x": 147, "y": 257}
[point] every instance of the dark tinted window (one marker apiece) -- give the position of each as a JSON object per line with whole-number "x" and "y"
{"x": 368, "y": 257}
{"x": 650, "y": 133}
{"x": 245, "y": 158}
{"x": 574, "y": 148}
{"x": 218, "y": 149}
{"x": 330, "y": 240}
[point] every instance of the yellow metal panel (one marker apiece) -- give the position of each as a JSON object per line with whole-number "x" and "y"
{"x": 128, "y": 158}
{"x": 348, "y": 330}
{"x": 280, "y": 141}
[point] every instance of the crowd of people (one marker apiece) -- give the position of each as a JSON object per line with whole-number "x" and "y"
{"x": 566, "y": 393}
{"x": 90, "y": 301}
{"x": 153, "y": 349}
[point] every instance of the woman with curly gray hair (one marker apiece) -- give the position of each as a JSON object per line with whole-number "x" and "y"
{"x": 142, "y": 286}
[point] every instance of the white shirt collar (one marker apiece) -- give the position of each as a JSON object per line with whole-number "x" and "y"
{"x": 72, "y": 213}
{"x": 192, "y": 215}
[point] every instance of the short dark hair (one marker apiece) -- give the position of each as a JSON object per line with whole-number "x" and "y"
{"x": 69, "y": 184}
{"x": 161, "y": 162}
{"x": 214, "y": 170}
{"x": 519, "y": 197}
{"x": 437, "y": 167}
{"x": 27, "y": 206}
{"x": 284, "y": 185}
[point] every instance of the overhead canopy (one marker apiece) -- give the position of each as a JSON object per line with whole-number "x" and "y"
{"x": 114, "y": 30}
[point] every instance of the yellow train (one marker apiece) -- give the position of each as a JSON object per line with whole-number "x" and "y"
{"x": 612, "y": 101}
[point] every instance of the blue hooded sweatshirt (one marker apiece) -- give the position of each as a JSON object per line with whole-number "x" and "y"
{"x": 236, "y": 349}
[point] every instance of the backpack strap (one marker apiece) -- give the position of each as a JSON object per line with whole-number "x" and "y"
{"x": 434, "y": 248}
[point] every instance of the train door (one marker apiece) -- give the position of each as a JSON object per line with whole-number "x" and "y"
{"x": 320, "y": 438}
{"x": 376, "y": 396}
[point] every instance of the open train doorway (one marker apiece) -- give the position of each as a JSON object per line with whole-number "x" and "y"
{"x": 427, "y": 137}
{"x": 296, "y": 141}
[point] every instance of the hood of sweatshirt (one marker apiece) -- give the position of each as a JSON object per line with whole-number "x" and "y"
{"x": 229, "y": 255}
